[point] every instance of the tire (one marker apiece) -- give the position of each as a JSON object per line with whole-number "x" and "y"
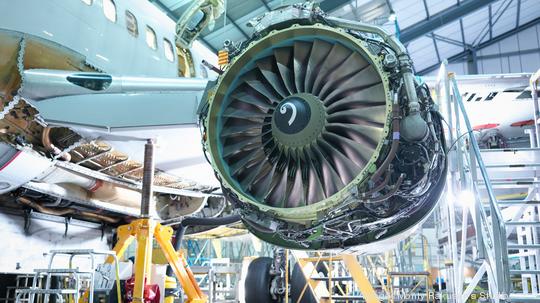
{"x": 258, "y": 279}
{"x": 298, "y": 281}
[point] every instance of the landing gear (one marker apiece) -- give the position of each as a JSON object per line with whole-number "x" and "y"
{"x": 259, "y": 280}
{"x": 266, "y": 281}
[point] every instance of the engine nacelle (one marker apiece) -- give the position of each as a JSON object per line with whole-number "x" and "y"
{"x": 320, "y": 135}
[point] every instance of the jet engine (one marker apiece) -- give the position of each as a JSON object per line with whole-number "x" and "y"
{"x": 320, "y": 134}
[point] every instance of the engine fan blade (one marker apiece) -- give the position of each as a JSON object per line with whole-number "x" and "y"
{"x": 270, "y": 72}
{"x": 338, "y": 54}
{"x": 319, "y": 52}
{"x": 301, "y": 57}
{"x": 284, "y": 61}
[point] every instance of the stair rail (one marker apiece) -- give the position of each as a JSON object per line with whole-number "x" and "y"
{"x": 498, "y": 228}
{"x": 490, "y": 231}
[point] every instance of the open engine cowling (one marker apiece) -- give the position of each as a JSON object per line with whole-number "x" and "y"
{"x": 305, "y": 130}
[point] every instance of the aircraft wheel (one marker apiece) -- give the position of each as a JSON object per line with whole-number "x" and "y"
{"x": 258, "y": 281}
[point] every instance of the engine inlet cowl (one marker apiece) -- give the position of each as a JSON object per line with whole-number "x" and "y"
{"x": 299, "y": 121}
{"x": 298, "y": 128}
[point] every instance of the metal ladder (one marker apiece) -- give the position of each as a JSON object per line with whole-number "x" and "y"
{"x": 22, "y": 281}
{"x": 479, "y": 180}
{"x": 516, "y": 172}
{"x": 78, "y": 282}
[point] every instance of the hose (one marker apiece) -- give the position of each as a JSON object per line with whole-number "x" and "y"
{"x": 47, "y": 143}
{"x": 66, "y": 211}
{"x": 259, "y": 228}
{"x": 389, "y": 194}
{"x": 194, "y": 221}
{"x": 377, "y": 188}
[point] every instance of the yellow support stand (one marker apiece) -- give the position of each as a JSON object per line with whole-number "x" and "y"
{"x": 358, "y": 275}
{"x": 144, "y": 231}
{"x": 318, "y": 288}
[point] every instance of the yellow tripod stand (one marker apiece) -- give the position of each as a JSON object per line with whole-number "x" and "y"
{"x": 144, "y": 231}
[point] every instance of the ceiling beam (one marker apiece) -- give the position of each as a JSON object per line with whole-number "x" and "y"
{"x": 509, "y": 33}
{"x": 237, "y": 26}
{"x": 490, "y": 22}
{"x": 513, "y": 53}
{"x": 518, "y": 12}
{"x": 266, "y": 5}
{"x": 438, "y": 20}
{"x": 436, "y": 49}
{"x": 485, "y": 44}
{"x": 426, "y": 9}
{"x": 462, "y": 34}
{"x": 449, "y": 40}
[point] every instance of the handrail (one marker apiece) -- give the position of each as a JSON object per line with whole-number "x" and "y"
{"x": 535, "y": 78}
{"x": 498, "y": 224}
{"x": 463, "y": 175}
{"x": 478, "y": 156}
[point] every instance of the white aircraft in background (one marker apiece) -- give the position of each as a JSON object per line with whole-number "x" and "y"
{"x": 500, "y": 107}
{"x": 83, "y": 84}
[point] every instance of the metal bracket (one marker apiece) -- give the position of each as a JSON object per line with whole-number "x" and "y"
{"x": 27, "y": 220}
{"x": 67, "y": 221}
{"x": 102, "y": 230}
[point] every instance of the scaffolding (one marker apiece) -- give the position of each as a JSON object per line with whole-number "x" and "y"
{"x": 501, "y": 243}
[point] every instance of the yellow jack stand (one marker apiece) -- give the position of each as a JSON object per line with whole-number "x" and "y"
{"x": 144, "y": 231}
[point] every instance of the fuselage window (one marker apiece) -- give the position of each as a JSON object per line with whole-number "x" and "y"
{"x": 526, "y": 94}
{"x": 185, "y": 63}
{"x": 87, "y": 2}
{"x": 169, "y": 52}
{"x": 109, "y": 9}
{"x": 131, "y": 24}
{"x": 151, "y": 40}
{"x": 491, "y": 96}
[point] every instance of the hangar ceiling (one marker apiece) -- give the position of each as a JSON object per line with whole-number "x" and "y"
{"x": 432, "y": 30}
